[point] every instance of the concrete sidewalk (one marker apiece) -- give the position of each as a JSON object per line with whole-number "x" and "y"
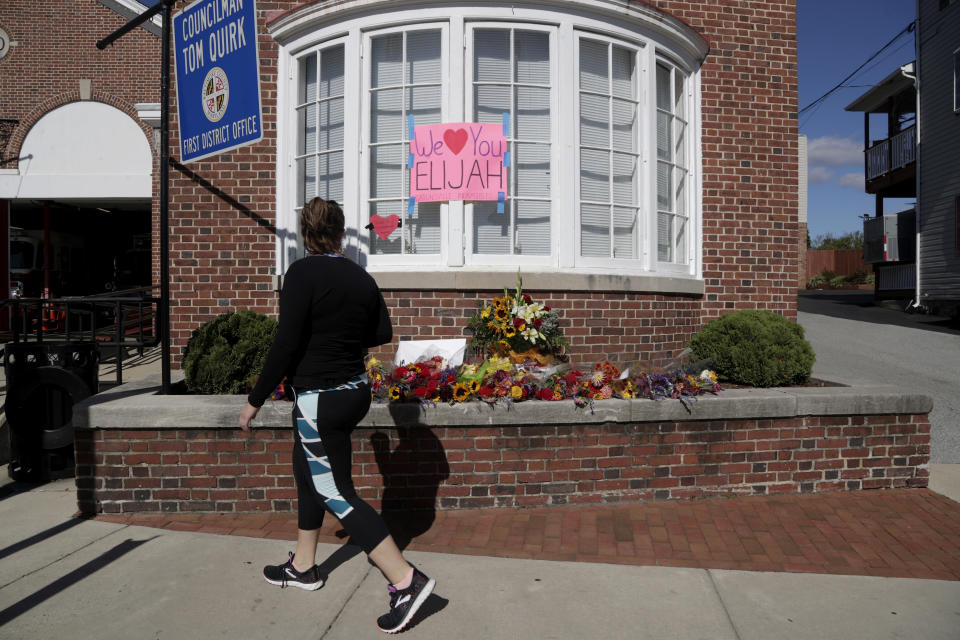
{"x": 90, "y": 579}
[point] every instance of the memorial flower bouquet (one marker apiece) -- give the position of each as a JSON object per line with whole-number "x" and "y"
{"x": 517, "y": 326}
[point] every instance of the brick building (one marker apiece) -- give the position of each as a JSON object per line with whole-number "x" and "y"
{"x": 654, "y": 184}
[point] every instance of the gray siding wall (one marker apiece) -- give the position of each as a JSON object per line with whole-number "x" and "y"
{"x": 939, "y": 152}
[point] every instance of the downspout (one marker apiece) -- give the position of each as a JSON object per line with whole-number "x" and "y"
{"x": 916, "y": 306}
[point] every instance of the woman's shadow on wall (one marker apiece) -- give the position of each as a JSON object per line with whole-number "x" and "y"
{"x": 414, "y": 464}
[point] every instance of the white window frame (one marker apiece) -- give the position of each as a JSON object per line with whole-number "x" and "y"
{"x": 481, "y": 259}
{"x": 641, "y": 261}
{"x": 457, "y": 24}
{"x": 431, "y": 260}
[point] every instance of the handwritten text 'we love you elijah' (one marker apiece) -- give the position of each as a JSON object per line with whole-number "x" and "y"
{"x": 458, "y": 161}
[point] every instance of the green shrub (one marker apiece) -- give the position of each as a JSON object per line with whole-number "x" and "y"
{"x": 816, "y": 281}
{"x": 828, "y": 274}
{"x": 757, "y": 348}
{"x": 870, "y": 279}
{"x": 225, "y": 353}
{"x": 858, "y": 277}
{"x": 839, "y": 281}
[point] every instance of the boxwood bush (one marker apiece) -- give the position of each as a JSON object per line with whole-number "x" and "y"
{"x": 756, "y": 348}
{"x": 224, "y": 354}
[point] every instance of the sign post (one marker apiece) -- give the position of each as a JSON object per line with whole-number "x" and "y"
{"x": 218, "y": 77}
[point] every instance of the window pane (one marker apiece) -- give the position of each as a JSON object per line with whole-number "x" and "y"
{"x": 308, "y": 79}
{"x": 532, "y": 57}
{"x": 423, "y": 103}
{"x": 533, "y": 113}
{"x": 664, "y": 232}
{"x": 533, "y": 228}
{"x": 679, "y": 239}
{"x": 624, "y": 76}
{"x": 423, "y": 228}
{"x": 423, "y": 57}
{"x": 624, "y": 232}
{"x": 331, "y": 72}
{"x": 594, "y": 231}
{"x": 331, "y": 124}
{"x": 624, "y": 125}
{"x": 664, "y": 136}
{"x": 593, "y": 67}
{"x": 306, "y": 179}
{"x": 594, "y": 175}
{"x": 533, "y": 170}
{"x": 387, "y": 58}
{"x": 386, "y": 117}
{"x": 307, "y": 129}
{"x": 678, "y": 93}
{"x": 663, "y": 88}
{"x": 679, "y": 157}
{"x": 594, "y": 121}
{"x": 624, "y": 179}
{"x": 330, "y": 176}
{"x": 491, "y": 230}
{"x": 664, "y": 182}
{"x": 490, "y": 103}
{"x": 491, "y": 55}
{"x": 392, "y": 245}
{"x": 387, "y": 171}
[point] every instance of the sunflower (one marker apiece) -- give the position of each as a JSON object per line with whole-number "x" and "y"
{"x": 494, "y": 326}
{"x": 461, "y": 392}
{"x": 509, "y": 331}
{"x": 500, "y": 314}
{"x": 394, "y": 393}
{"x": 473, "y": 385}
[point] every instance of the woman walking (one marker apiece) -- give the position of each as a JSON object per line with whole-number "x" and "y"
{"x": 331, "y": 311}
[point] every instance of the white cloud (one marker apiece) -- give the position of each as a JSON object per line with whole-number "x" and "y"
{"x": 819, "y": 175}
{"x": 833, "y": 151}
{"x": 854, "y": 180}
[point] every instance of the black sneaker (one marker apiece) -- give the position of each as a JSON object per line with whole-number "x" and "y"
{"x": 405, "y": 602}
{"x": 286, "y": 575}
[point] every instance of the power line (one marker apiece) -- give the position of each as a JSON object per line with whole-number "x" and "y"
{"x": 908, "y": 28}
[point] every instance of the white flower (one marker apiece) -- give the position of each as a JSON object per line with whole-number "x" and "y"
{"x": 531, "y": 334}
{"x": 708, "y": 376}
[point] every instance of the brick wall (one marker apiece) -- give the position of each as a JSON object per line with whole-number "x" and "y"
{"x": 126, "y": 470}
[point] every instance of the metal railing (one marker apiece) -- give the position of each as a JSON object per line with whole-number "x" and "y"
{"x": 891, "y": 154}
{"x": 120, "y": 320}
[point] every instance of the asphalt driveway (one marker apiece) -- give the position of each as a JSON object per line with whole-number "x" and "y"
{"x": 858, "y": 341}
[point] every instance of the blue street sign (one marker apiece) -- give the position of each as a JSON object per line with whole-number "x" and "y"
{"x": 218, "y": 77}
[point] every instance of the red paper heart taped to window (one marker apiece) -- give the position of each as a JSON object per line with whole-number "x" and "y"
{"x": 455, "y": 139}
{"x": 383, "y": 226}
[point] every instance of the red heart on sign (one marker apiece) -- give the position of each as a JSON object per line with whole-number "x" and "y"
{"x": 455, "y": 139}
{"x": 383, "y": 226}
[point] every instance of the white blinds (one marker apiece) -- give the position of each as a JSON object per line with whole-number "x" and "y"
{"x": 511, "y": 74}
{"x": 406, "y": 77}
{"x": 608, "y": 140}
{"x": 320, "y": 119}
{"x": 672, "y": 212}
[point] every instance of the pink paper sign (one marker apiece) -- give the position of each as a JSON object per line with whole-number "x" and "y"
{"x": 458, "y": 161}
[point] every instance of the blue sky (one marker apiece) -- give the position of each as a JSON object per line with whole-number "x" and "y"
{"x": 834, "y": 38}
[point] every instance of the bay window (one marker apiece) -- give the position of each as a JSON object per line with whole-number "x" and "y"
{"x": 598, "y": 118}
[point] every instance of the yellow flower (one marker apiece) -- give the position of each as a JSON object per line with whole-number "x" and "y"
{"x": 509, "y": 331}
{"x": 394, "y": 393}
{"x": 485, "y": 313}
{"x": 474, "y": 386}
{"x": 498, "y": 303}
{"x": 460, "y": 392}
{"x": 500, "y": 313}
{"x": 516, "y": 392}
{"x": 494, "y": 326}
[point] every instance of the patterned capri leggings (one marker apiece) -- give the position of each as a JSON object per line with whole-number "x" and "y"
{"x": 323, "y": 420}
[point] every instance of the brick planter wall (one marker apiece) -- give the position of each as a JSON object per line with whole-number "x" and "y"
{"x": 609, "y": 456}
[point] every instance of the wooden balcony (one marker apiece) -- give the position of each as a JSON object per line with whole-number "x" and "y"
{"x": 891, "y": 165}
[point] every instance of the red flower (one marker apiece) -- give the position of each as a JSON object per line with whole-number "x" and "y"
{"x": 432, "y": 386}
{"x": 546, "y": 308}
{"x": 486, "y": 391}
{"x": 421, "y": 392}
{"x": 527, "y": 299}
{"x": 518, "y": 323}
{"x": 537, "y": 323}
{"x": 545, "y": 394}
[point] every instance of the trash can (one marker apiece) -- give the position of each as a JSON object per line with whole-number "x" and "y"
{"x": 44, "y": 381}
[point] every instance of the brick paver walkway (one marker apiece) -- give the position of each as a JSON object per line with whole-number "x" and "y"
{"x": 910, "y": 533}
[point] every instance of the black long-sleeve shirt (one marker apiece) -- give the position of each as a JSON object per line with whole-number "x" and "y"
{"x": 331, "y": 310}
